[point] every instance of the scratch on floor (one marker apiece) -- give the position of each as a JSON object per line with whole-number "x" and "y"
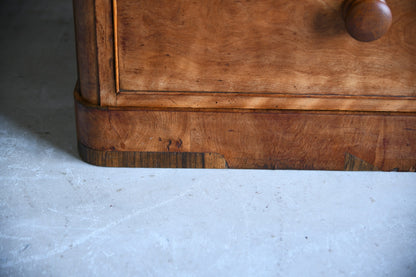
{"x": 60, "y": 227}
{"x": 2, "y": 236}
{"x": 93, "y": 234}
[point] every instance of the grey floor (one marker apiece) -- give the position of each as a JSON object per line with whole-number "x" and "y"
{"x": 62, "y": 217}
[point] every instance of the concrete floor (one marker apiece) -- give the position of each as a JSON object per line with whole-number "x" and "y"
{"x": 62, "y": 217}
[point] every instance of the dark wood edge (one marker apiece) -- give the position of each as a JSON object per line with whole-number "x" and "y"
{"x": 353, "y": 163}
{"x": 151, "y": 159}
{"x": 180, "y": 159}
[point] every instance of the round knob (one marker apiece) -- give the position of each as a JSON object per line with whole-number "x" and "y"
{"x": 367, "y": 20}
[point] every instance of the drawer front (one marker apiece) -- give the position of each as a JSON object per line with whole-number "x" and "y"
{"x": 263, "y": 46}
{"x": 263, "y": 54}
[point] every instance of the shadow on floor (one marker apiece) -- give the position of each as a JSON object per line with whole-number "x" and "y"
{"x": 38, "y": 69}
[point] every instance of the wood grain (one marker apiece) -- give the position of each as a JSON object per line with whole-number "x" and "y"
{"x": 105, "y": 52}
{"x": 384, "y": 86}
{"x": 261, "y": 47}
{"x": 254, "y": 139}
{"x": 86, "y": 46}
{"x": 151, "y": 159}
{"x": 267, "y": 101}
{"x": 243, "y": 84}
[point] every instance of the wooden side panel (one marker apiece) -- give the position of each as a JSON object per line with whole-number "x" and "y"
{"x": 105, "y": 52}
{"x": 274, "y": 140}
{"x": 95, "y": 50}
{"x": 85, "y": 35}
{"x": 264, "y": 46}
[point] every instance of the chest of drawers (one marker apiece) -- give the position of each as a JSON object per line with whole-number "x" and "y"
{"x": 273, "y": 84}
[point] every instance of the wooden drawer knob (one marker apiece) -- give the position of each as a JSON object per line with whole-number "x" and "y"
{"x": 367, "y": 20}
